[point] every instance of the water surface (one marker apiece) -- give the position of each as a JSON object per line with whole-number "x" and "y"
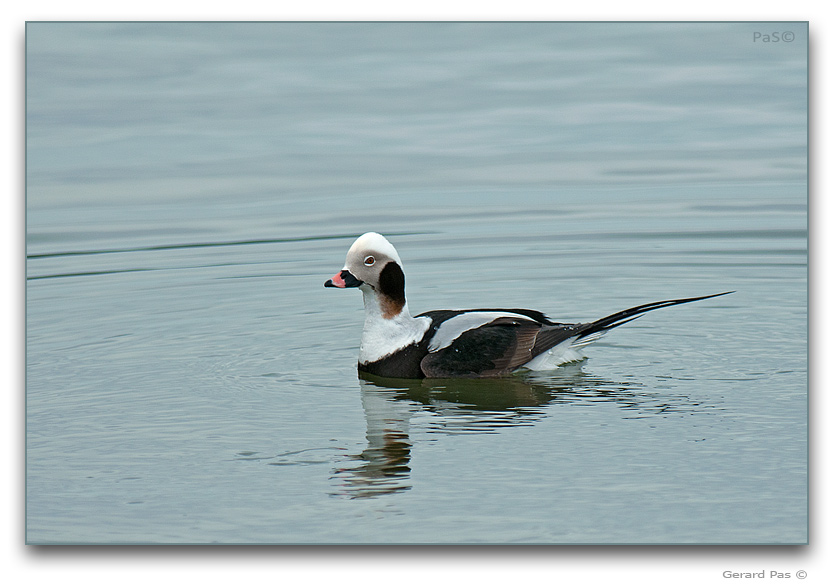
{"x": 191, "y": 186}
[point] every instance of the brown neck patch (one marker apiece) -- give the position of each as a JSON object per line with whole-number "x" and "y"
{"x": 390, "y": 307}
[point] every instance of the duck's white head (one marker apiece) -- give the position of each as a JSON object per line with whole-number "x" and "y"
{"x": 374, "y": 266}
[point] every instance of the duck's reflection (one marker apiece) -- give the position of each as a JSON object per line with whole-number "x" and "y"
{"x": 384, "y": 465}
{"x": 458, "y": 406}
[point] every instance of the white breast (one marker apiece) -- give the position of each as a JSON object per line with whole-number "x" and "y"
{"x": 452, "y": 328}
{"x": 382, "y": 337}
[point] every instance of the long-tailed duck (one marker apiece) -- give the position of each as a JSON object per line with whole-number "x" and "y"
{"x": 458, "y": 343}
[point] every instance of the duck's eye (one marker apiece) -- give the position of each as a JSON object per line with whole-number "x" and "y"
{"x": 369, "y": 261}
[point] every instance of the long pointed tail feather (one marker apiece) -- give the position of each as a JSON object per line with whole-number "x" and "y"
{"x": 622, "y": 317}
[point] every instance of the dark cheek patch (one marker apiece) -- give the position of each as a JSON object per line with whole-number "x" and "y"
{"x": 392, "y": 288}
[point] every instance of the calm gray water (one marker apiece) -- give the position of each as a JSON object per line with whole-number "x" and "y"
{"x": 190, "y": 187}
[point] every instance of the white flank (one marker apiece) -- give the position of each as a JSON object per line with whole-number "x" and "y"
{"x": 559, "y": 355}
{"x": 452, "y": 328}
{"x": 563, "y": 353}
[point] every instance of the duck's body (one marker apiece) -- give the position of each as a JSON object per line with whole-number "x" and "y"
{"x": 457, "y": 343}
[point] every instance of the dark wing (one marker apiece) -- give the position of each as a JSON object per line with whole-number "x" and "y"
{"x": 493, "y": 349}
{"x": 506, "y": 343}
